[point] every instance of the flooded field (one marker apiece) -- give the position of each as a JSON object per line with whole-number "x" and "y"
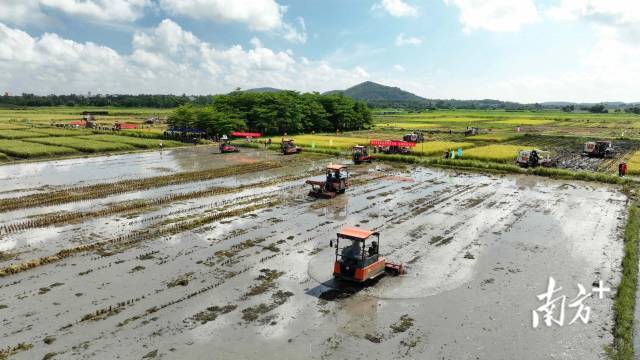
{"x": 229, "y": 258}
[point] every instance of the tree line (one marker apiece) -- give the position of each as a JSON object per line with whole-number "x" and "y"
{"x": 129, "y": 101}
{"x": 273, "y": 113}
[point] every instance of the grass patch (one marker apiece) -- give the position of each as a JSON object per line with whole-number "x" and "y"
{"x": 60, "y": 132}
{"x": 494, "y": 137}
{"x": 438, "y": 147}
{"x": 625, "y": 300}
{"x": 19, "y": 134}
{"x": 266, "y": 280}
{"x": 634, "y": 163}
{"x": 212, "y": 313}
{"x": 84, "y": 145}
{"x": 518, "y": 122}
{"x": 406, "y": 125}
{"x": 25, "y": 149}
{"x": 497, "y": 153}
{"x": 138, "y": 142}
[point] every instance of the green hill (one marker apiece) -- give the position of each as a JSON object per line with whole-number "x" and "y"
{"x": 372, "y": 92}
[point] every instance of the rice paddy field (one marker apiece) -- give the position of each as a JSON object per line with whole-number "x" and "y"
{"x": 133, "y": 252}
{"x": 187, "y": 253}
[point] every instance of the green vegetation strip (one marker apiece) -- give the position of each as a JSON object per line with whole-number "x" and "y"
{"x": 103, "y": 190}
{"x": 507, "y": 168}
{"x": 138, "y": 142}
{"x": 82, "y": 144}
{"x": 60, "y": 132}
{"x": 625, "y": 300}
{"x": 25, "y": 149}
{"x": 19, "y": 134}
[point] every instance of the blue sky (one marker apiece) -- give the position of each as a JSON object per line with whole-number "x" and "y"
{"x": 520, "y": 50}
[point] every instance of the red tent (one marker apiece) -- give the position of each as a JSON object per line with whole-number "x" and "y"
{"x": 124, "y": 126}
{"x": 246, "y": 134}
{"x": 392, "y": 143}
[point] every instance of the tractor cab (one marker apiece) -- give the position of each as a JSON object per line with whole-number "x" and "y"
{"x": 361, "y": 154}
{"x": 357, "y": 255}
{"x": 287, "y": 147}
{"x": 226, "y": 147}
{"x": 336, "y": 182}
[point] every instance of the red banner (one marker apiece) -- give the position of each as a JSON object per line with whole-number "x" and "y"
{"x": 245, "y": 134}
{"x": 392, "y": 143}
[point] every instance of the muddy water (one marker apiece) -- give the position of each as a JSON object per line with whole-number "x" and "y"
{"x": 18, "y": 179}
{"x": 478, "y": 250}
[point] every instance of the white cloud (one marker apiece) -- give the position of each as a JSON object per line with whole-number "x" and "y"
{"x": 293, "y": 35}
{"x": 20, "y": 12}
{"x": 399, "y": 68}
{"x": 257, "y": 14}
{"x": 495, "y": 15}
{"x": 104, "y": 10}
{"x": 620, "y": 16}
{"x": 397, "y": 8}
{"x": 166, "y": 59}
{"x": 401, "y": 40}
{"x": 34, "y": 11}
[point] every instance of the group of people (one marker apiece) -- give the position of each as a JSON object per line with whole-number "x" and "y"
{"x": 451, "y": 154}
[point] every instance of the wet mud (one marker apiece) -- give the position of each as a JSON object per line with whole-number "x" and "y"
{"x": 246, "y": 272}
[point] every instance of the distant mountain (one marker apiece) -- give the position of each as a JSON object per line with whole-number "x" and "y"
{"x": 372, "y": 92}
{"x": 262, "y": 90}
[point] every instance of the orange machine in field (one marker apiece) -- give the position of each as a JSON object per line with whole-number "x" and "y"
{"x": 358, "y": 263}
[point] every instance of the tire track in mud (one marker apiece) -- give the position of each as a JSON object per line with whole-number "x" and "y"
{"x": 136, "y": 206}
{"x": 96, "y": 191}
{"x": 133, "y": 238}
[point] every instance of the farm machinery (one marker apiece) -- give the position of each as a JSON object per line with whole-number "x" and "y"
{"x": 470, "y": 131}
{"x": 226, "y": 147}
{"x": 599, "y": 149}
{"x": 534, "y": 158}
{"x": 288, "y": 147}
{"x": 415, "y": 137}
{"x": 337, "y": 182}
{"x": 393, "y": 146}
{"x": 357, "y": 263}
{"x": 361, "y": 154}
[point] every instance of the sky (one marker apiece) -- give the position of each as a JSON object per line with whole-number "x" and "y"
{"x": 515, "y": 50}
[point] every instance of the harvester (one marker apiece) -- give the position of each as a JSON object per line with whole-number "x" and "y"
{"x": 355, "y": 262}
{"x": 415, "y": 137}
{"x": 287, "y": 147}
{"x": 226, "y": 147}
{"x": 534, "y": 158}
{"x": 600, "y": 149}
{"x": 337, "y": 182}
{"x": 471, "y": 131}
{"x": 361, "y": 154}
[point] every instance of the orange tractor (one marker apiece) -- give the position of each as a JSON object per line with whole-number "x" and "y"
{"x": 361, "y": 154}
{"x": 337, "y": 182}
{"x": 358, "y": 263}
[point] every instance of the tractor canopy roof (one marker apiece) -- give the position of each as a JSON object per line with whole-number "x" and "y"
{"x": 335, "y": 167}
{"x": 358, "y": 147}
{"x": 355, "y": 233}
